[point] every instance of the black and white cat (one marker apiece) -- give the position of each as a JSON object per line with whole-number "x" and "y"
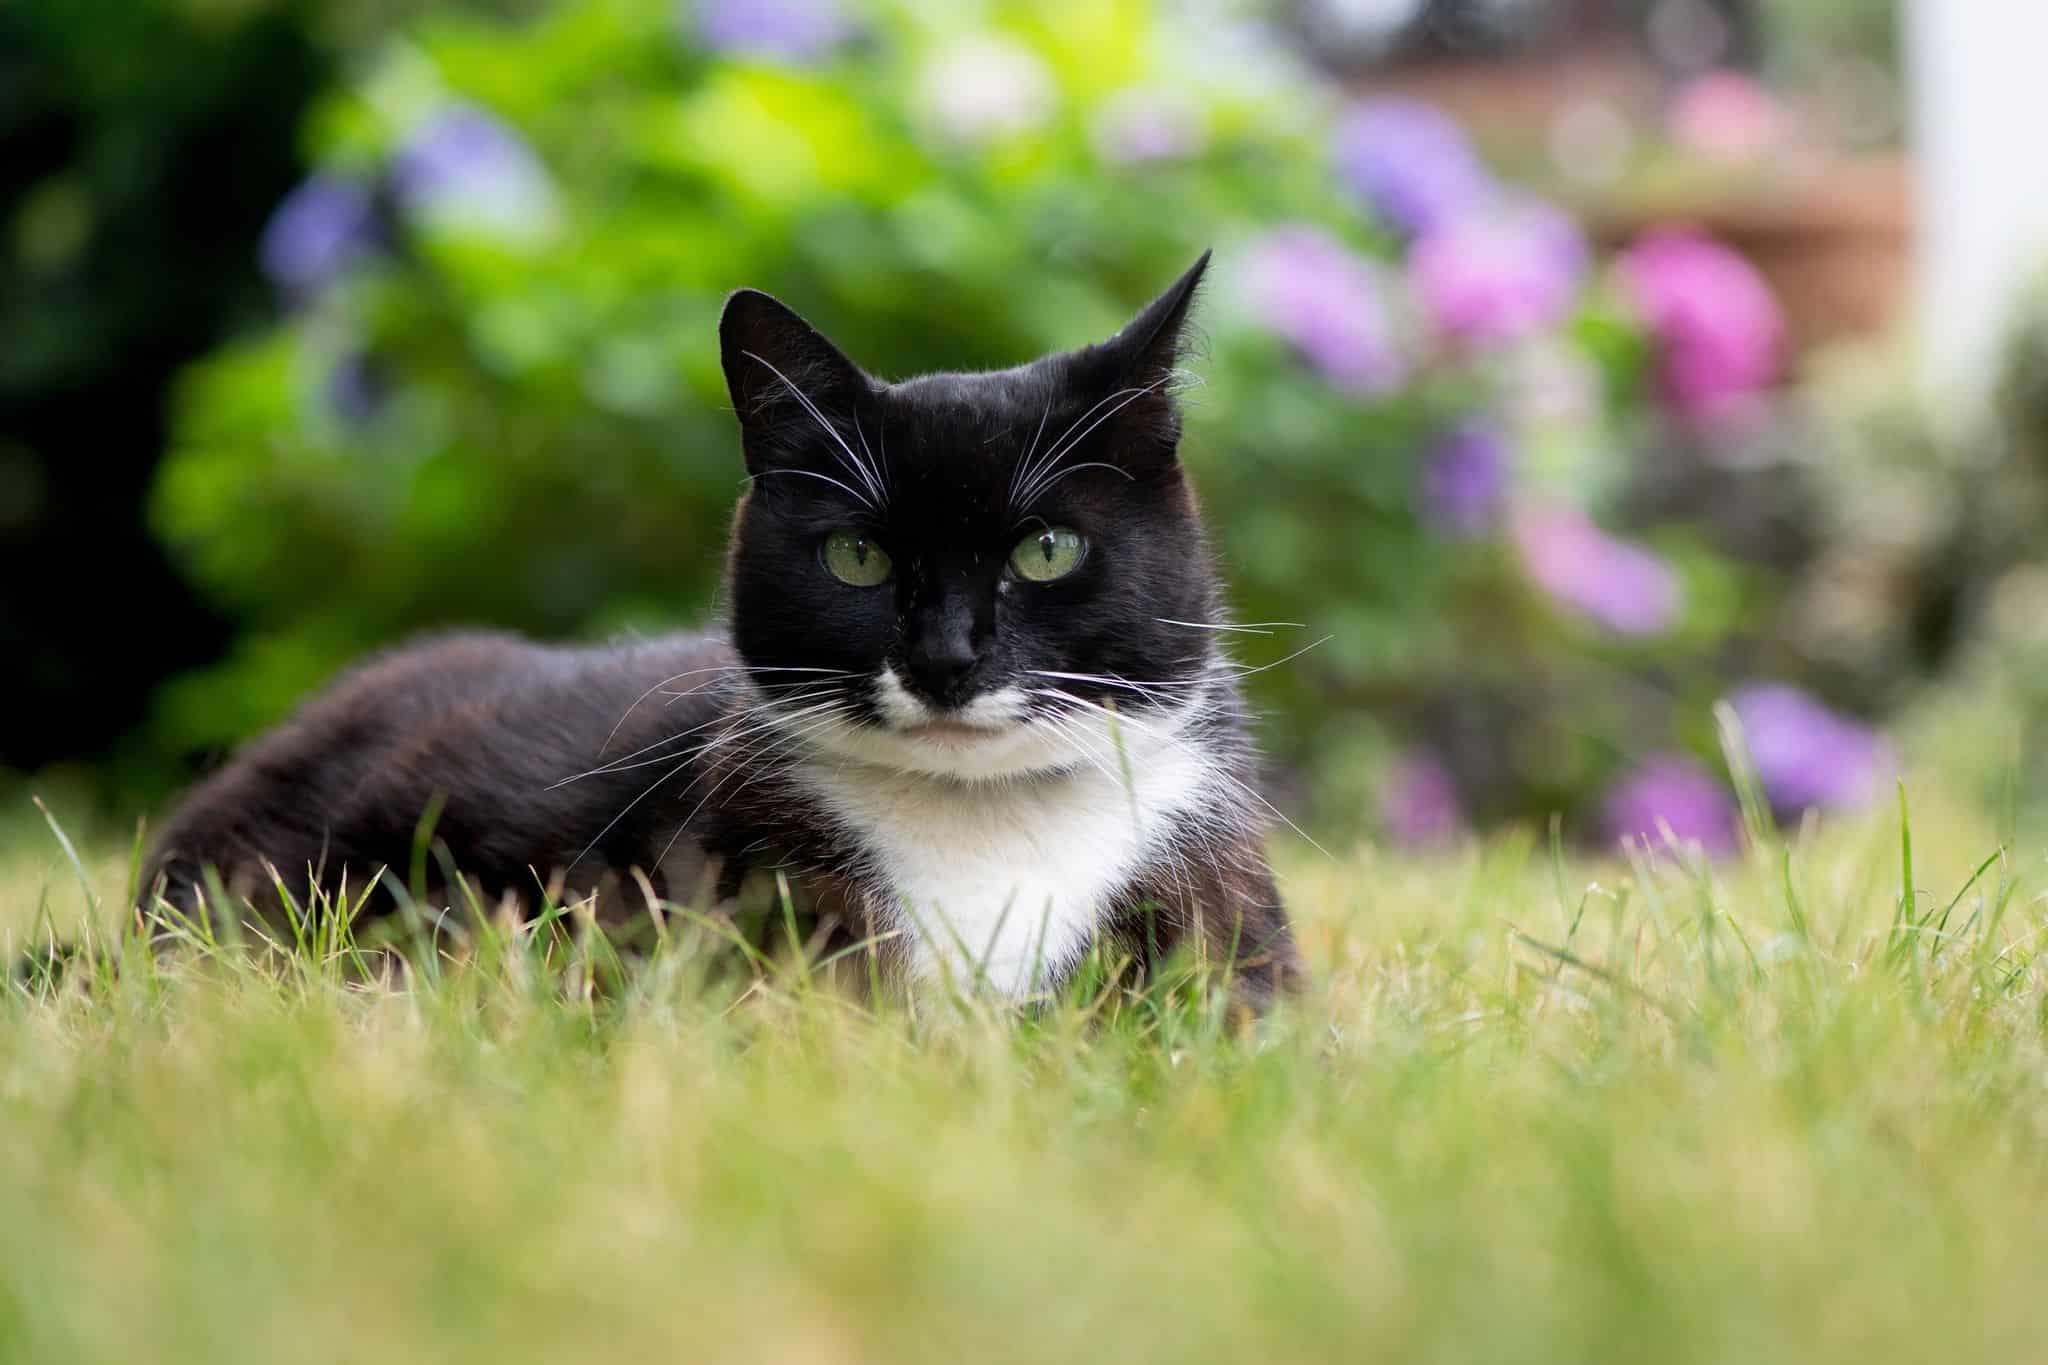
{"x": 970, "y": 692}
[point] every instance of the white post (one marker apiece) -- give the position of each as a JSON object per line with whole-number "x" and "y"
{"x": 1979, "y": 73}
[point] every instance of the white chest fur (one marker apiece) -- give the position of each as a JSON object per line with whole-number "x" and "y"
{"x": 1007, "y": 881}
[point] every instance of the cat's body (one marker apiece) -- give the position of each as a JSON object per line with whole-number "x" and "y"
{"x": 971, "y": 698}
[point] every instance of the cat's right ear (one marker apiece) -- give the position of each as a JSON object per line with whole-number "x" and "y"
{"x": 784, "y": 376}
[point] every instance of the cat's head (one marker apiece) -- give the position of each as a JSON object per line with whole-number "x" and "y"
{"x": 973, "y": 575}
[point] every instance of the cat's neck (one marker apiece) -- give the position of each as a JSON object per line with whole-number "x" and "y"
{"x": 1008, "y": 880}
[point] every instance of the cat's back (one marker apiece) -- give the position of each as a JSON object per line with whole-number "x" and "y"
{"x": 513, "y": 752}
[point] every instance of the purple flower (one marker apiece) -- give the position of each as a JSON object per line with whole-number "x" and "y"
{"x": 1464, "y": 481}
{"x": 1411, "y": 163}
{"x": 1140, "y": 125}
{"x": 1718, "y": 328}
{"x": 1807, "y": 755}
{"x": 1622, "y": 586}
{"x": 781, "y": 30}
{"x": 355, "y": 389}
{"x": 1671, "y": 791}
{"x": 466, "y": 169}
{"x": 1419, "y": 805}
{"x": 318, "y": 231}
{"x": 1499, "y": 276}
{"x": 1327, "y": 301}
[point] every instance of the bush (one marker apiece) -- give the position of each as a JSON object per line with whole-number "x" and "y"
{"x": 494, "y": 392}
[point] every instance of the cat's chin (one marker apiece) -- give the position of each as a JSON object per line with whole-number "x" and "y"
{"x": 952, "y": 749}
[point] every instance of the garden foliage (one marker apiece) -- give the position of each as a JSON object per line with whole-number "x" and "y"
{"x": 1422, "y": 424}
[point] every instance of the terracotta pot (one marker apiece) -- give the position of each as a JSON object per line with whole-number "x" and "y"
{"x": 1836, "y": 245}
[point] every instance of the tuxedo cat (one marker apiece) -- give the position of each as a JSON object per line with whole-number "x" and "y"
{"x": 970, "y": 693}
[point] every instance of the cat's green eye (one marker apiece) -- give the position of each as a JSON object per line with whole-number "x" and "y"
{"x": 1045, "y": 555}
{"x": 856, "y": 559}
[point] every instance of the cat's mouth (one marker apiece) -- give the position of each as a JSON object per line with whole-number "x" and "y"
{"x": 949, "y": 733}
{"x": 989, "y": 736}
{"x": 995, "y": 736}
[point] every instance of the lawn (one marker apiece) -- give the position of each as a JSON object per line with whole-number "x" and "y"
{"x": 1532, "y": 1108}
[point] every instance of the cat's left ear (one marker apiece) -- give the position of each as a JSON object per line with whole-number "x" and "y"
{"x": 1141, "y": 362}
{"x": 789, "y": 385}
{"x": 1154, "y": 339}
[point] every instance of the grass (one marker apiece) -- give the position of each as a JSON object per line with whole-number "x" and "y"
{"x": 1531, "y": 1109}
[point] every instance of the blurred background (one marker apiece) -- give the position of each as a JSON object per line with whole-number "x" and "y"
{"x": 1586, "y": 376}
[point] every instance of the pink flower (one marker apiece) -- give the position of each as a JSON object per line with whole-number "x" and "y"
{"x": 1726, "y": 116}
{"x": 1419, "y": 805}
{"x": 1718, "y": 328}
{"x": 1616, "y": 583}
{"x": 1499, "y": 276}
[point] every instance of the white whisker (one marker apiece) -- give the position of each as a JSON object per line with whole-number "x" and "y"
{"x": 1052, "y": 458}
{"x": 877, "y": 495}
{"x": 1246, "y": 627}
{"x": 1076, "y": 738}
{"x": 1242, "y": 671}
{"x": 674, "y": 677}
{"x": 1238, "y": 784}
{"x": 749, "y": 758}
{"x": 651, "y": 787}
{"x": 1144, "y": 689}
{"x": 718, "y": 670}
{"x": 850, "y": 491}
{"x": 612, "y": 823}
{"x": 749, "y": 670}
{"x": 693, "y": 756}
{"x": 1033, "y": 470}
{"x": 622, "y": 763}
{"x": 881, "y": 469}
{"x": 1030, "y": 450}
{"x": 1039, "y": 490}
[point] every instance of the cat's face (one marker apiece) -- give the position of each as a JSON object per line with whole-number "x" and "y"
{"x": 974, "y": 575}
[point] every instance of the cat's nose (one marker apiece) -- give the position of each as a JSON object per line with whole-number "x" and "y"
{"x": 941, "y": 659}
{"x": 940, "y": 668}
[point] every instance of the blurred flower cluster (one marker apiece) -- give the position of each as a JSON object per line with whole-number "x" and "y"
{"x": 492, "y": 392}
{"x": 1486, "y": 288}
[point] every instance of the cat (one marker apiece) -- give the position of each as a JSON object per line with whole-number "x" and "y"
{"x": 969, "y": 695}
